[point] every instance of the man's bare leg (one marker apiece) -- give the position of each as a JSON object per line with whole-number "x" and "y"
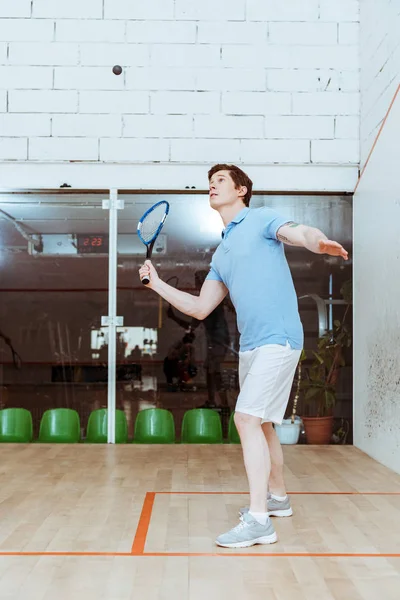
{"x": 276, "y": 482}
{"x": 256, "y": 459}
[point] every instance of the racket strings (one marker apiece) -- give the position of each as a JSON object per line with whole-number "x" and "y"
{"x": 151, "y": 223}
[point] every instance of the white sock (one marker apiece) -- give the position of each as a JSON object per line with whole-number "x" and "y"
{"x": 278, "y": 498}
{"x": 260, "y": 517}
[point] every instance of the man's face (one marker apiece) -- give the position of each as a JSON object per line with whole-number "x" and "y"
{"x": 222, "y": 190}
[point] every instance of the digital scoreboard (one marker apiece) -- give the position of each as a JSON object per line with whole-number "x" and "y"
{"x": 92, "y": 244}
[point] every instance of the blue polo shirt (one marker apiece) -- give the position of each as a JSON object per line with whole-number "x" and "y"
{"x": 251, "y": 262}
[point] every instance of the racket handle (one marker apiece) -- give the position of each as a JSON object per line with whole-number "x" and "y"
{"x": 145, "y": 280}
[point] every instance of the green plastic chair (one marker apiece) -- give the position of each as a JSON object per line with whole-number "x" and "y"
{"x": 154, "y": 426}
{"x": 60, "y": 426}
{"x": 98, "y": 423}
{"x": 15, "y": 425}
{"x": 201, "y": 426}
{"x": 233, "y": 435}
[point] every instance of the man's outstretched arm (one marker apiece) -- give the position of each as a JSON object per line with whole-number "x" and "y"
{"x": 211, "y": 294}
{"x": 311, "y": 238}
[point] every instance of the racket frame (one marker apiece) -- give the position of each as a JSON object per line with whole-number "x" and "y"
{"x": 150, "y": 243}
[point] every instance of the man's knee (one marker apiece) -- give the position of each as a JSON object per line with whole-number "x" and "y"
{"x": 242, "y": 421}
{"x": 268, "y": 428}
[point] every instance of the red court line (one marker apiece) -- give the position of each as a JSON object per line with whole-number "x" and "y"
{"x": 51, "y": 553}
{"x": 377, "y": 137}
{"x": 290, "y": 493}
{"x": 276, "y": 554}
{"x": 143, "y": 526}
{"x": 194, "y": 554}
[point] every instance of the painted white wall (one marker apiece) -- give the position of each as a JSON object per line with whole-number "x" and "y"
{"x": 380, "y": 65}
{"x": 376, "y": 238}
{"x": 255, "y": 82}
{"x": 377, "y": 300}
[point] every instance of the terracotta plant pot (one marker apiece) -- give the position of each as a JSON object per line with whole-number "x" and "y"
{"x": 318, "y": 429}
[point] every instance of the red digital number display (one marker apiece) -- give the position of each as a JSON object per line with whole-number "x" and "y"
{"x": 92, "y": 243}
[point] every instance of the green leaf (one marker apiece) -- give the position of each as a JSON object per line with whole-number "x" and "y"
{"x": 319, "y": 358}
{"x": 329, "y": 399}
{"x": 311, "y": 392}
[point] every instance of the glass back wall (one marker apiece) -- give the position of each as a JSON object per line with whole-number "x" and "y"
{"x": 53, "y": 293}
{"x": 166, "y": 359}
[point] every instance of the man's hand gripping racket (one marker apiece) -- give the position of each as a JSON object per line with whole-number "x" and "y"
{"x": 148, "y": 229}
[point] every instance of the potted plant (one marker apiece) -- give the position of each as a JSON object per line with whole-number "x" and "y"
{"x": 320, "y": 383}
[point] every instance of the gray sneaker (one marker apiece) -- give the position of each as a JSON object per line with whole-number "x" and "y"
{"x": 276, "y": 508}
{"x": 247, "y": 533}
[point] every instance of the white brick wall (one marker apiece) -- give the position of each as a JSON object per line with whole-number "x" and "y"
{"x": 143, "y": 11}
{"x": 42, "y": 101}
{"x": 380, "y": 65}
{"x": 149, "y": 126}
{"x": 75, "y": 30}
{"x": 300, "y": 127}
{"x": 3, "y": 52}
{"x": 256, "y": 103}
{"x": 42, "y": 54}
{"x": 13, "y": 148}
{"x": 3, "y": 101}
{"x": 339, "y": 10}
{"x": 22, "y": 8}
{"x": 205, "y": 150}
{"x": 73, "y": 9}
{"x": 335, "y": 151}
{"x": 210, "y": 10}
{"x": 180, "y": 103}
{"x": 276, "y": 10}
{"x": 25, "y": 125}
{"x": 29, "y": 78}
{"x": 161, "y": 32}
{"x": 259, "y": 81}
{"x": 26, "y": 30}
{"x": 180, "y": 55}
{"x": 231, "y": 33}
{"x": 283, "y": 151}
{"x": 63, "y": 149}
{"x": 137, "y": 150}
{"x": 230, "y": 79}
{"x": 86, "y": 125}
{"x": 122, "y": 103}
{"x": 223, "y": 126}
{"x": 349, "y": 33}
{"x": 99, "y": 55}
{"x": 347, "y": 128}
{"x": 326, "y": 103}
{"x": 155, "y": 79}
{"x": 86, "y": 78}
{"x": 303, "y": 34}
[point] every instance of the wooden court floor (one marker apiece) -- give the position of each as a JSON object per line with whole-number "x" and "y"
{"x": 139, "y": 522}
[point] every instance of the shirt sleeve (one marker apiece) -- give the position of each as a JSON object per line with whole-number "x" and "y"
{"x": 213, "y": 274}
{"x": 271, "y": 222}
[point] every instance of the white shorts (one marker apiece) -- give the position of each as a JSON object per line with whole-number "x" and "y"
{"x": 265, "y": 378}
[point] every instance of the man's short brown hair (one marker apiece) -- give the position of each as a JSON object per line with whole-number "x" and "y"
{"x": 238, "y": 176}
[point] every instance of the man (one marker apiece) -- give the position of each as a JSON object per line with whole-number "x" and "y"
{"x": 250, "y": 263}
